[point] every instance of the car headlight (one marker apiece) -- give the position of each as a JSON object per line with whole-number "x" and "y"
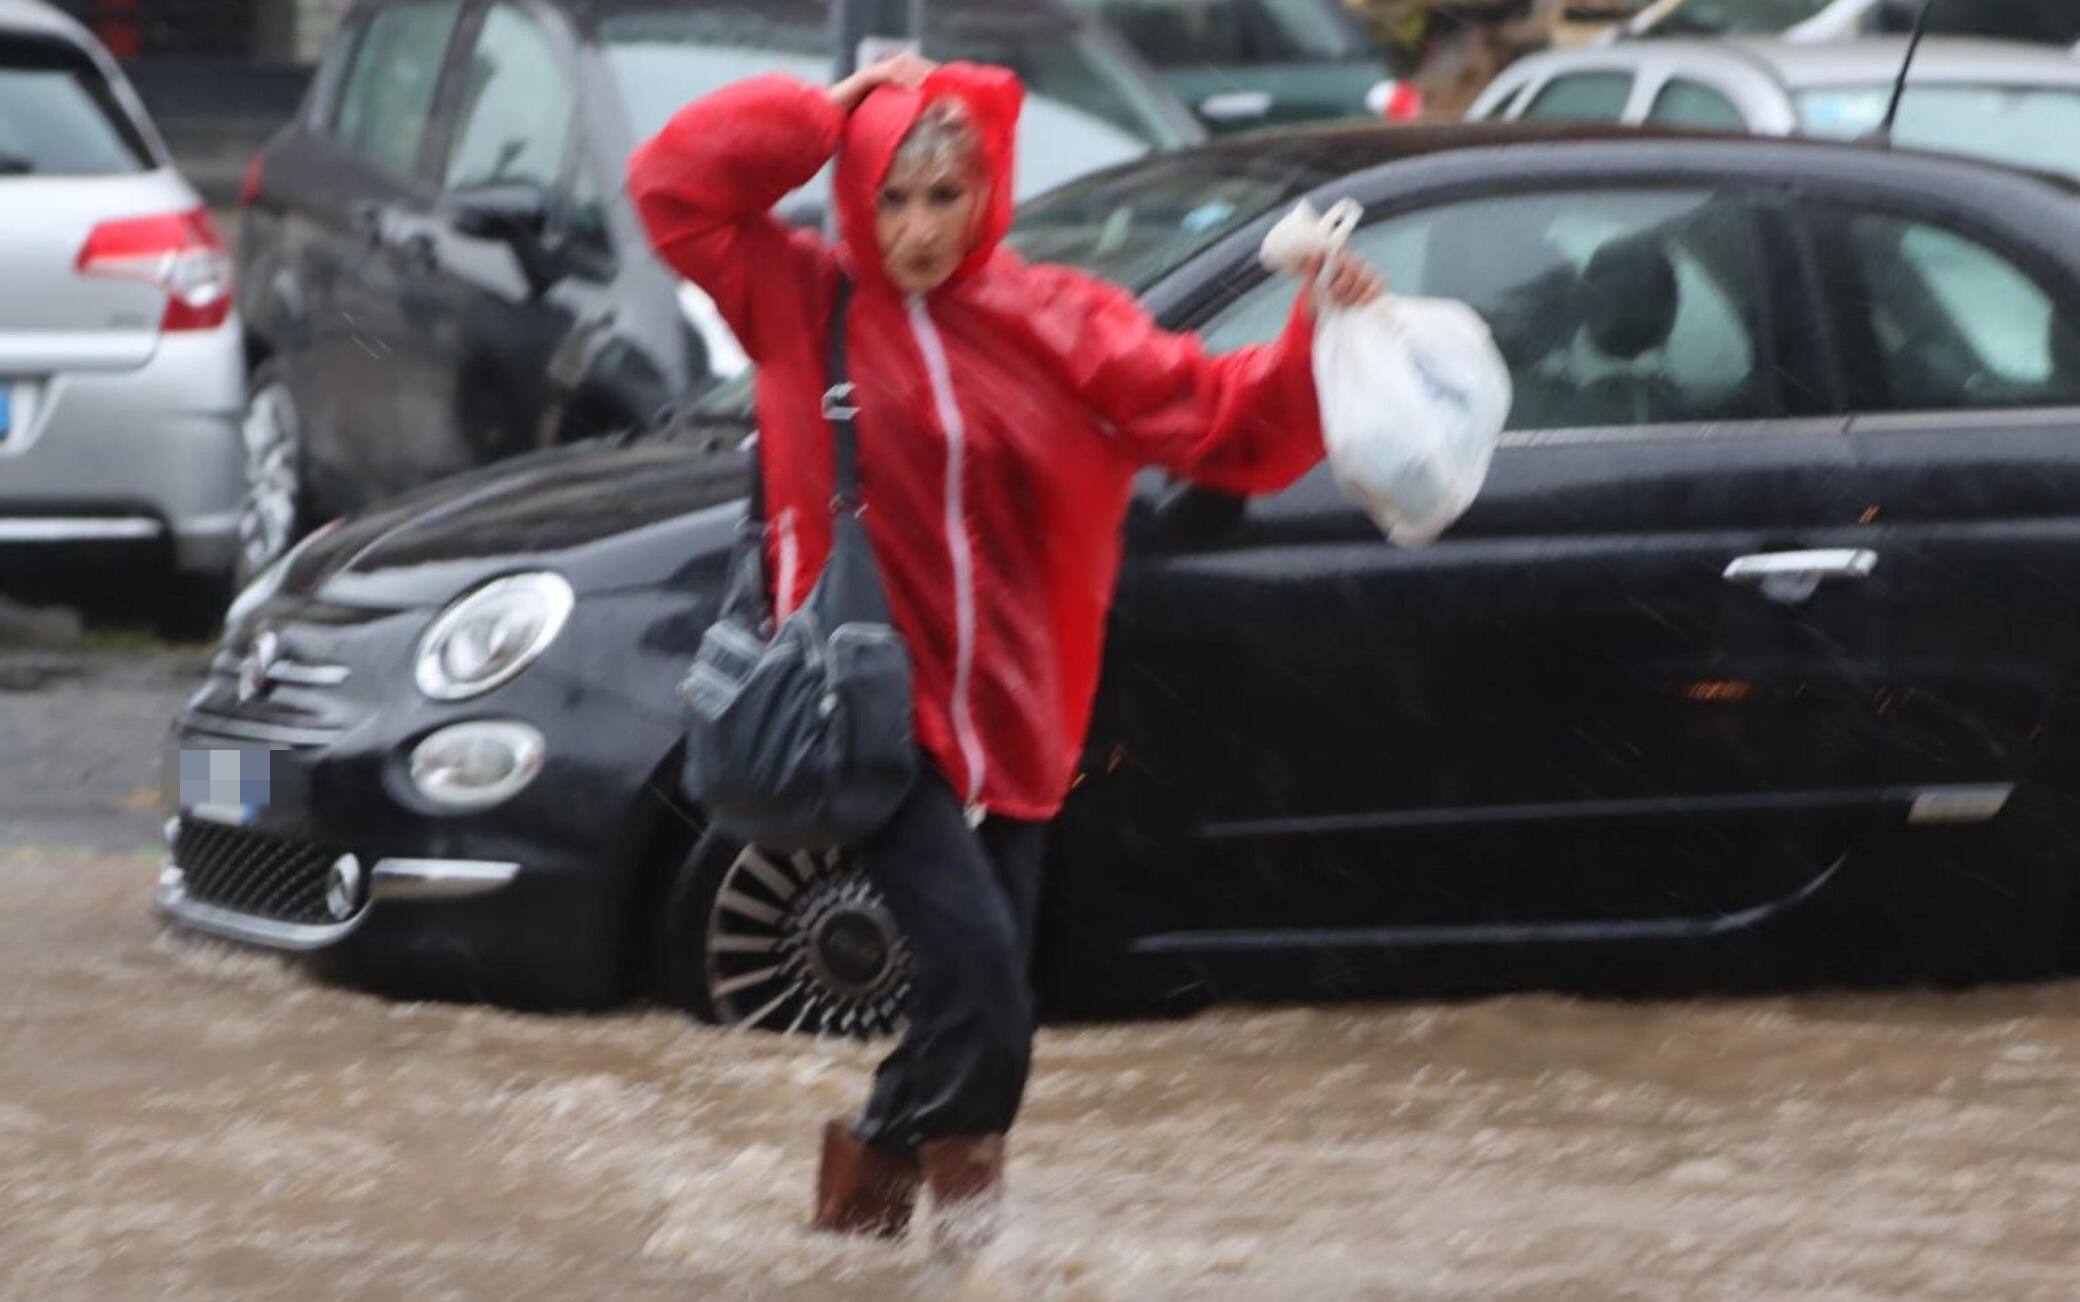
{"x": 487, "y": 637}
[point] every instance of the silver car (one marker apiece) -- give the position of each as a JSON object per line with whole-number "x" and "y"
{"x": 122, "y": 373}
{"x": 2006, "y": 101}
{"x": 2054, "y": 21}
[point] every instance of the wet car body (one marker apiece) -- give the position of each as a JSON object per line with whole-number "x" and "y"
{"x": 1740, "y": 670}
{"x": 439, "y": 267}
{"x": 120, "y": 372}
{"x": 2007, "y": 101}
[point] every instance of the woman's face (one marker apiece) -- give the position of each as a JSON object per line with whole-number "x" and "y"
{"x": 925, "y": 218}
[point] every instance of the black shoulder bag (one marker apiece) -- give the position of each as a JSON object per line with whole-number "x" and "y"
{"x": 800, "y": 737}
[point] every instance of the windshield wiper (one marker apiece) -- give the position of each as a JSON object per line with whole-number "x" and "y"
{"x": 16, "y": 164}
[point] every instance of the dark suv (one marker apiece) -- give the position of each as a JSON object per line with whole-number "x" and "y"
{"x": 438, "y": 267}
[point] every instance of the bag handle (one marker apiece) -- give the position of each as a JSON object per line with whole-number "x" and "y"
{"x": 837, "y": 409}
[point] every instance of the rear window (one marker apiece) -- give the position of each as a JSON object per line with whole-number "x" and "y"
{"x": 2023, "y": 126}
{"x": 1736, "y": 17}
{"x": 58, "y": 116}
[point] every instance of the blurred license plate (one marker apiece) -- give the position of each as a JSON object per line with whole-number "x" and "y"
{"x": 224, "y": 786}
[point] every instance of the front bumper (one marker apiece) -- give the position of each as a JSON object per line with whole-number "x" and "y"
{"x": 151, "y": 457}
{"x": 340, "y": 883}
{"x": 525, "y": 903}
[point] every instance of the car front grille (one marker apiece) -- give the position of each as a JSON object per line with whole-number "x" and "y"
{"x": 253, "y": 873}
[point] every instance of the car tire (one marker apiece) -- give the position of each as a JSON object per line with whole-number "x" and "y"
{"x": 274, "y": 512}
{"x": 797, "y": 943}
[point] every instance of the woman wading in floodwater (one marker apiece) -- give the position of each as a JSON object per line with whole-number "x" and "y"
{"x": 1003, "y": 411}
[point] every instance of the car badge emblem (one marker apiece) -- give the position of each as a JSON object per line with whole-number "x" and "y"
{"x": 253, "y": 671}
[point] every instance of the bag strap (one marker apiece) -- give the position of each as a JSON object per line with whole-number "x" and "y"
{"x": 837, "y": 409}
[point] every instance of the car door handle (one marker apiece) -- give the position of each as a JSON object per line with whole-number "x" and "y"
{"x": 1792, "y": 577}
{"x": 1236, "y": 105}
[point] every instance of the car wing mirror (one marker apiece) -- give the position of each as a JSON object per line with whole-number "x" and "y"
{"x": 517, "y": 216}
{"x": 500, "y": 212}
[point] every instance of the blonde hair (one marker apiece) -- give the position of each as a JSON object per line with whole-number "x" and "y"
{"x": 942, "y": 137}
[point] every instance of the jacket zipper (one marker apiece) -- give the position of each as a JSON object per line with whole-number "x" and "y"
{"x": 957, "y": 545}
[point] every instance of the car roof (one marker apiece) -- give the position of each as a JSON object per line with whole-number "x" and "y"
{"x": 1323, "y": 154}
{"x": 33, "y": 17}
{"x": 1800, "y": 65}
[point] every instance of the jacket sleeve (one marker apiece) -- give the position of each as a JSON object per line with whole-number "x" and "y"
{"x": 1243, "y": 422}
{"x": 705, "y": 186}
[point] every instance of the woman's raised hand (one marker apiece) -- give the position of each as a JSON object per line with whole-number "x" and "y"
{"x": 1350, "y": 282}
{"x": 895, "y": 70}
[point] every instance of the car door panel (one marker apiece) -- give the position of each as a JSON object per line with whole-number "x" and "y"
{"x": 1561, "y": 716}
{"x": 1967, "y": 371}
{"x": 385, "y": 121}
{"x": 494, "y": 326}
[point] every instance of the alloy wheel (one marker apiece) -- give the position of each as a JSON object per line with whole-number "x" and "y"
{"x": 267, "y": 518}
{"x": 805, "y": 943}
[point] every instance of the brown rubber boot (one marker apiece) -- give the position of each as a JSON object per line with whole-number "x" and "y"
{"x": 862, "y": 1190}
{"x": 966, "y": 1176}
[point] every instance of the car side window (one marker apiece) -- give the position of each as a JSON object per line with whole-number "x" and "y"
{"x": 388, "y": 97}
{"x": 1612, "y": 308}
{"x": 1686, "y": 103}
{"x": 1938, "y": 320}
{"x": 1581, "y": 97}
{"x": 514, "y": 120}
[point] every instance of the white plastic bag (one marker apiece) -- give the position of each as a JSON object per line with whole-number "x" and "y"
{"x": 1413, "y": 391}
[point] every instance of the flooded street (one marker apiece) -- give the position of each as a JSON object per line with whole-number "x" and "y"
{"x": 179, "y": 1119}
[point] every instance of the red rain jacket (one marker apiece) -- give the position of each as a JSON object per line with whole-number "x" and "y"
{"x": 1002, "y": 416}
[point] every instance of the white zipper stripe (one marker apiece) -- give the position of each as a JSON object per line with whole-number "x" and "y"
{"x": 956, "y": 543}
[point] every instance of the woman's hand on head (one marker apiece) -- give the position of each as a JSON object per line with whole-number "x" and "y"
{"x": 1350, "y": 281}
{"x": 895, "y": 70}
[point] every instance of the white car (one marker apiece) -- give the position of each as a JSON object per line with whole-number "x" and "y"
{"x": 2000, "y": 100}
{"x": 122, "y": 373}
{"x": 2054, "y": 21}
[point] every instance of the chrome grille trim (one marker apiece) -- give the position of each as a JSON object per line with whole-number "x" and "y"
{"x": 224, "y": 725}
{"x": 297, "y": 673}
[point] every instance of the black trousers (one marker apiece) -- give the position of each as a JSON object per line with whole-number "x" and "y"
{"x": 966, "y": 898}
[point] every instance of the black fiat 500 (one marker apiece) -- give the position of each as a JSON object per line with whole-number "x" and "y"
{"x": 1752, "y": 663}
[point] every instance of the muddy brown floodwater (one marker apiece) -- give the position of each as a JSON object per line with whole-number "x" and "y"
{"x": 183, "y": 1120}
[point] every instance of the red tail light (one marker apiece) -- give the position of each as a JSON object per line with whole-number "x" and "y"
{"x": 255, "y": 178}
{"x": 181, "y": 253}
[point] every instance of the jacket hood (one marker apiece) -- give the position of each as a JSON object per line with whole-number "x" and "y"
{"x": 993, "y": 97}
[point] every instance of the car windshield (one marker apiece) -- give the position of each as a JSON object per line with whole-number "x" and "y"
{"x": 1225, "y": 33}
{"x": 59, "y": 117}
{"x": 1733, "y": 17}
{"x": 1088, "y": 105}
{"x": 2023, "y": 126}
{"x": 1132, "y": 228}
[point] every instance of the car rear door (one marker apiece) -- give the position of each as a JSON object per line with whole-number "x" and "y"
{"x": 1957, "y": 315}
{"x": 1630, "y": 695}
